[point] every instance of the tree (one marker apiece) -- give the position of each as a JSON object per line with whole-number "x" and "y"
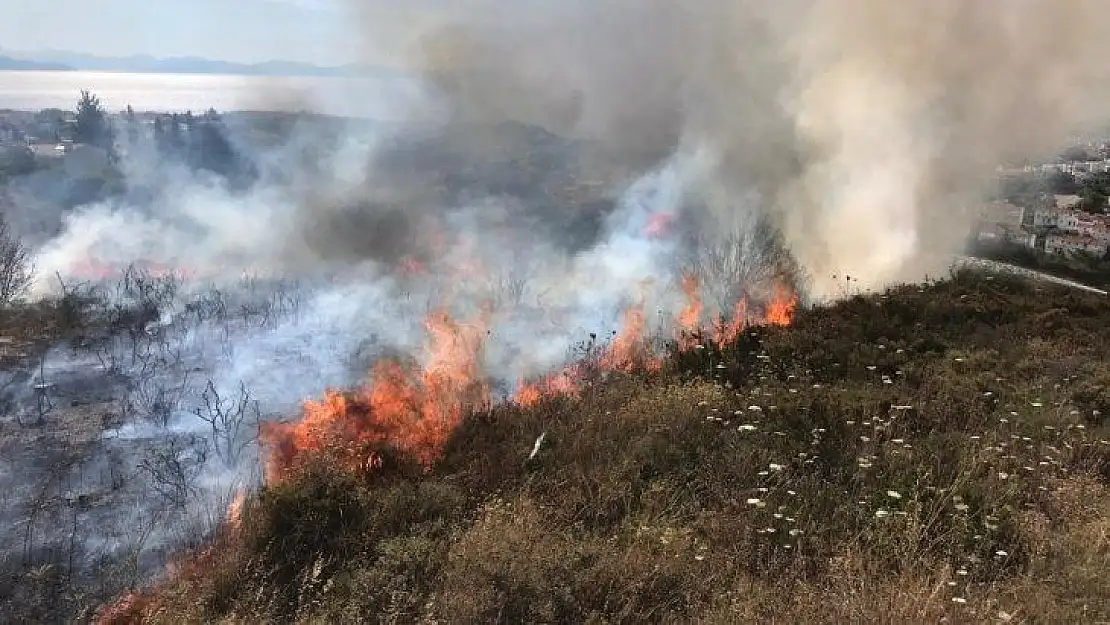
{"x": 1063, "y": 183}
{"x": 211, "y": 149}
{"x": 132, "y": 125}
{"x": 16, "y": 160}
{"x": 16, "y": 269}
{"x": 93, "y": 127}
{"x": 1094, "y": 192}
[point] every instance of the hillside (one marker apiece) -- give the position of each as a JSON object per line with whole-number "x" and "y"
{"x": 934, "y": 452}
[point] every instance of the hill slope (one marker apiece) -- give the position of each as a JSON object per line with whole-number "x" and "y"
{"x": 935, "y": 451}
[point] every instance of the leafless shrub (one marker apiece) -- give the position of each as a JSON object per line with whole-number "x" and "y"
{"x": 233, "y": 422}
{"x": 73, "y": 306}
{"x": 509, "y": 286}
{"x": 267, "y": 301}
{"x": 16, "y": 268}
{"x": 210, "y": 306}
{"x": 155, "y": 398}
{"x": 741, "y": 263}
{"x": 172, "y": 468}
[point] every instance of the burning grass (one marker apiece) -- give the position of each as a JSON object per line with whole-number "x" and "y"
{"x": 934, "y": 452}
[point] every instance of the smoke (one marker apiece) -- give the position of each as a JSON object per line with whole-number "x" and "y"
{"x": 864, "y": 127}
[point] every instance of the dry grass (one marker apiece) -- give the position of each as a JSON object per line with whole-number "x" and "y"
{"x": 934, "y": 453}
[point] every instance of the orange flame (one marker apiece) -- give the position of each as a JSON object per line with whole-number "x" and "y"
{"x": 234, "y": 517}
{"x": 563, "y": 384}
{"x": 780, "y": 310}
{"x": 190, "y": 568}
{"x": 628, "y": 351}
{"x": 690, "y": 316}
{"x": 728, "y": 331}
{"x": 411, "y": 411}
{"x": 127, "y": 611}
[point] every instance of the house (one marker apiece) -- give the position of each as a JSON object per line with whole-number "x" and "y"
{"x": 1074, "y": 243}
{"x": 1007, "y": 234}
{"x": 1065, "y": 220}
{"x": 1067, "y": 202}
{"x": 1068, "y": 221}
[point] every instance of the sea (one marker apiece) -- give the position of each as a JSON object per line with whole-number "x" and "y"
{"x": 376, "y": 97}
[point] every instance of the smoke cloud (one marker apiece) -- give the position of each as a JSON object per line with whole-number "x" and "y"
{"x": 862, "y": 127}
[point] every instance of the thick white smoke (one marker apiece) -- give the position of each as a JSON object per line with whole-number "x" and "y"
{"x": 865, "y": 126}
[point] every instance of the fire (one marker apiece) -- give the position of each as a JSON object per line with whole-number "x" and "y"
{"x": 96, "y": 270}
{"x": 412, "y": 411}
{"x": 658, "y": 225}
{"x": 191, "y": 568}
{"x": 780, "y": 310}
{"x": 628, "y": 350}
{"x": 690, "y": 316}
{"x": 727, "y": 331}
{"x": 234, "y": 517}
{"x": 563, "y": 384}
{"x": 127, "y": 610}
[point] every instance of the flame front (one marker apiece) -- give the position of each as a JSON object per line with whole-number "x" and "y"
{"x": 780, "y": 310}
{"x": 411, "y": 411}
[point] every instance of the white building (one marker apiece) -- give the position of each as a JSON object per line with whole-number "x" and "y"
{"x": 1073, "y": 243}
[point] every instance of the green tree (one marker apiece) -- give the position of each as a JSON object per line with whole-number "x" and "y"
{"x": 93, "y": 127}
{"x": 1094, "y": 192}
{"x": 16, "y": 160}
{"x": 1063, "y": 183}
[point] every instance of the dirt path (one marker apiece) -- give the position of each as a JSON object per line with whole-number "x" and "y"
{"x": 1036, "y": 275}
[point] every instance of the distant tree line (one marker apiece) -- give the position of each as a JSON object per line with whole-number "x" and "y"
{"x": 200, "y": 142}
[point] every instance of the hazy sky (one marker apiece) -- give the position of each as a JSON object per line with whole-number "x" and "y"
{"x": 234, "y": 30}
{"x": 318, "y": 31}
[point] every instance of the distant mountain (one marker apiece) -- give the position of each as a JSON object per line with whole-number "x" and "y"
{"x": 64, "y": 60}
{"x": 8, "y": 63}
